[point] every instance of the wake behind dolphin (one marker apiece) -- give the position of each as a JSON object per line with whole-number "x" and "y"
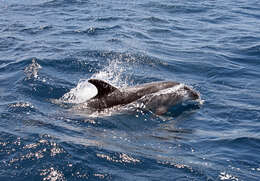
{"x": 157, "y": 97}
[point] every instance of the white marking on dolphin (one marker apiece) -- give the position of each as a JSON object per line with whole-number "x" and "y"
{"x": 156, "y": 96}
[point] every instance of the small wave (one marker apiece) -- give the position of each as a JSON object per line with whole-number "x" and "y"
{"x": 36, "y": 30}
{"x": 108, "y": 19}
{"x": 140, "y": 35}
{"x": 73, "y": 65}
{"x": 123, "y": 158}
{"x": 154, "y": 19}
{"x": 95, "y": 30}
{"x": 252, "y": 50}
{"x": 160, "y": 31}
{"x": 21, "y": 107}
{"x": 61, "y": 3}
{"x": 8, "y": 42}
{"x": 176, "y": 8}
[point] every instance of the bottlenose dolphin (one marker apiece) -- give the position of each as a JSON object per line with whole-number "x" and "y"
{"x": 155, "y": 96}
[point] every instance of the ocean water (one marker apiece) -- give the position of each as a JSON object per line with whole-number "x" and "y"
{"x": 50, "y": 48}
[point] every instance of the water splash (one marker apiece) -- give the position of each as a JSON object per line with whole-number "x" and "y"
{"x": 226, "y": 176}
{"x": 81, "y": 93}
{"x": 52, "y": 174}
{"x": 113, "y": 73}
{"x": 32, "y": 70}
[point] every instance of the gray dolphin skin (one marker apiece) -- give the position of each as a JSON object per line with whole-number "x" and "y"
{"x": 156, "y": 96}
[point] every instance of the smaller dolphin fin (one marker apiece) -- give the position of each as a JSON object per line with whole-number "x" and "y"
{"x": 103, "y": 87}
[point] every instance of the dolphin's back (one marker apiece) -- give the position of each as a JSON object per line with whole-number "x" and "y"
{"x": 150, "y": 88}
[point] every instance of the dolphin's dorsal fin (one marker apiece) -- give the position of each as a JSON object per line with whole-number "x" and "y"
{"x": 103, "y": 87}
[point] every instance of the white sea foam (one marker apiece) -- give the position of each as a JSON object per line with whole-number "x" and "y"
{"x": 81, "y": 93}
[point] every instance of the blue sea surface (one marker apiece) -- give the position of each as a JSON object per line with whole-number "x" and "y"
{"x": 50, "y": 48}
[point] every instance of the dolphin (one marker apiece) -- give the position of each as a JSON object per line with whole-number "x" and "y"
{"x": 156, "y": 96}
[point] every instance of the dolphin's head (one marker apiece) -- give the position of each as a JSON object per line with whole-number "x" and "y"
{"x": 191, "y": 93}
